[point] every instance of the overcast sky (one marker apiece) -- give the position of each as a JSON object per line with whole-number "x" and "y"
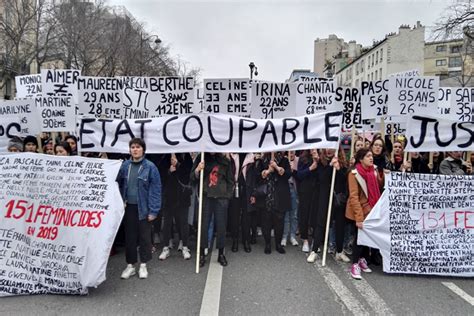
{"x": 222, "y": 37}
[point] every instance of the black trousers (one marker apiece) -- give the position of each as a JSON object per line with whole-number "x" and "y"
{"x": 239, "y": 218}
{"x": 272, "y": 219}
{"x": 218, "y": 207}
{"x": 304, "y": 209}
{"x": 338, "y": 216}
{"x": 180, "y": 215}
{"x": 137, "y": 234}
{"x": 358, "y": 251}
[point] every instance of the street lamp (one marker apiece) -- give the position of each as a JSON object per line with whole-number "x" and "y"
{"x": 253, "y": 70}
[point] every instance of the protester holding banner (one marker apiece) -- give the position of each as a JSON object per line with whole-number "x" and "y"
{"x": 15, "y": 145}
{"x": 307, "y": 193}
{"x": 438, "y": 157}
{"x": 176, "y": 201}
{"x": 455, "y": 165}
{"x": 62, "y": 149}
{"x": 328, "y": 161}
{"x": 380, "y": 155}
{"x": 278, "y": 200}
{"x": 397, "y": 161}
{"x": 291, "y": 216}
{"x": 417, "y": 164}
{"x": 72, "y": 140}
{"x": 356, "y": 145}
{"x": 30, "y": 144}
{"x": 364, "y": 191}
{"x": 140, "y": 186}
{"x": 218, "y": 189}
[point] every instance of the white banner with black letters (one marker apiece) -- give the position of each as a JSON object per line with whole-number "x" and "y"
{"x": 423, "y": 224}
{"x": 212, "y": 133}
{"x": 59, "y": 218}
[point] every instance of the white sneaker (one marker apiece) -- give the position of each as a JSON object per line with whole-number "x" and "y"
{"x": 259, "y": 231}
{"x": 143, "y": 272}
{"x": 283, "y": 242}
{"x": 186, "y": 253}
{"x": 312, "y": 257}
{"x": 305, "y": 246}
{"x": 206, "y": 251}
{"x": 128, "y": 272}
{"x": 165, "y": 253}
{"x": 180, "y": 245}
{"x": 294, "y": 242}
{"x": 341, "y": 256}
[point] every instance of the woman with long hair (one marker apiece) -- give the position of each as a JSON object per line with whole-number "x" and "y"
{"x": 364, "y": 191}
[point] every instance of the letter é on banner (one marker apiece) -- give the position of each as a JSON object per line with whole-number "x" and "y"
{"x": 290, "y": 130}
{"x": 243, "y": 128}
{"x": 423, "y": 128}
{"x": 215, "y": 141}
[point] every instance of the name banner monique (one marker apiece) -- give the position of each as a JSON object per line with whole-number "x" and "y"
{"x": 59, "y": 217}
{"x": 434, "y": 134}
{"x": 424, "y": 224}
{"x": 212, "y": 133}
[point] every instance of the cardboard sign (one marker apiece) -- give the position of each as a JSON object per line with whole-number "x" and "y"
{"x": 28, "y": 86}
{"x": 273, "y": 100}
{"x": 315, "y": 96}
{"x": 227, "y": 96}
{"x": 60, "y": 82}
{"x": 171, "y": 96}
{"x": 26, "y": 111}
{"x": 58, "y": 114}
{"x": 349, "y": 100}
{"x": 374, "y": 98}
{"x": 100, "y": 97}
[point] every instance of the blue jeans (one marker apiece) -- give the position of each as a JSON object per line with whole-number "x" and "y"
{"x": 291, "y": 216}
{"x": 218, "y": 208}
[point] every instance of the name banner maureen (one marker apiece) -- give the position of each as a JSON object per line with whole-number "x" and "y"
{"x": 423, "y": 224}
{"x": 59, "y": 217}
{"x": 212, "y": 133}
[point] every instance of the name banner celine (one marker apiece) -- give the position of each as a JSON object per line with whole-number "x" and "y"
{"x": 59, "y": 217}
{"x": 212, "y": 133}
{"x": 424, "y": 224}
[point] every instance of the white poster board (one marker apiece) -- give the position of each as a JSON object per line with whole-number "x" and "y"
{"x": 100, "y": 96}
{"x": 57, "y": 114}
{"x": 27, "y": 112}
{"x": 273, "y": 100}
{"x": 60, "y": 82}
{"x": 374, "y": 98}
{"x": 463, "y": 104}
{"x": 227, "y": 96}
{"x": 171, "y": 96}
{"x": 349, "y": 100}
{"x": 28, "y": 86}
{"x": 9, "y": 127}
{"x": 60, "y": 218}
{"x": 315, "y": 96}
{"x": 423, "y": 224}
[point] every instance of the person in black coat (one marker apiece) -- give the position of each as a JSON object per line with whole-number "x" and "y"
{"x": 276, "y": 172}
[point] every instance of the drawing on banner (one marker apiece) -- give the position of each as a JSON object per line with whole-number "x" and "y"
{"x": 412, "y": 95}
{"x": 423, "y": 224}
{"x": 100, "y": 97}
{"x": 60, "y": 82}
{"x": 273, "y": 100}
{"x": 61, "y": 215}
{"x": 374, "y": 98}
{"x": 57, "y": 113}
{"x": 227, "y": 96}
{"x": 212, "y": 133}
{"x": 26, "y": 111}
{"x": 171, "y": 96}
{"x": 435, "y": 134}
{"x": 315, "y": 95}
{"x": 463, "y": 104}
{"x": 9, "y": 128}
{"x": 28, "y": 86}
{"x": 349, "y": 100}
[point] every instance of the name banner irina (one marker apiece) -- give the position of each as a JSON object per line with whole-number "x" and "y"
{"x": 424, "y": 224}
{"x": 59, "y": 217}
{"x": 212, "y": 133}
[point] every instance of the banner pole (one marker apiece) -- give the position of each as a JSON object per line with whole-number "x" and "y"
{"x": 201, "y": 190}
{"x": 430, "y": 161}
{"x": 382, "y": 128}
{"x": 392, "y": 139}
{"x": 352, "y": 141}
{"x": 331, "y": 194}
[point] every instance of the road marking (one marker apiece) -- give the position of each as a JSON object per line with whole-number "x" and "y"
{"x": 339, "y": 289}
{"x": 453, "y": 287}
{"x": 369, "y": 294}
{"x": 212, "y": 290}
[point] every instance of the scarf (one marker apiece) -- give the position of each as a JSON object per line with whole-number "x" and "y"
{"x": 373, "y": 189}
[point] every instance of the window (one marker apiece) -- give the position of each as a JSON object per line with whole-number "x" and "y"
{"x": 357, "y": 83}
{"x": 369, "y": 63}
{"x": 455, "y": 49}
{"x": 362, "y": 66}
{"x": 455, "y": 62}
{"x": 372, "y": 59}
{"x": 381, "y": 54}
{"x": 377, "y": 57}
{"x": 372, "y": 76}
{"x": 452, "y": 74}
{"x": 440, "y": 62}
{"x": 357, "y": 69}
{"x": 440, "y": 48}
{"x": 380, "y": 74}
{"x": 376, "y": 72}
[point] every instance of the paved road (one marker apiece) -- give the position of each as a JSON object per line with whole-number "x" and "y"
{"x": 256, "y": 284}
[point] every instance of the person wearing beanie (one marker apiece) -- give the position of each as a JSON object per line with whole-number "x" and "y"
{"x": 30, "y": 144}
{"x": 15, "y": 145}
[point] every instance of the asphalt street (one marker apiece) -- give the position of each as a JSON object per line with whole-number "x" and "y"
{"x": 255, "y": 284}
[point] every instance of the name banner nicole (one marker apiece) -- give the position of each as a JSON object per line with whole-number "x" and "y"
{"x": 59, "y": 217}
{"x": 212, "y": 133}
{"x": 424, "y": 224}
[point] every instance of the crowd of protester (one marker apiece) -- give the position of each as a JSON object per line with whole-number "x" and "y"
{"x": 284, "y": 195}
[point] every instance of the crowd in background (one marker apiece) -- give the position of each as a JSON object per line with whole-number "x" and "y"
{"x": 284, "y": 195}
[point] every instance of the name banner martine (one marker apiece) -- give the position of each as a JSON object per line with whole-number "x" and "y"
{"x": 424, "y": 224}
{"x": 59, "y": 217}
{"x": 212, "y": 133}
